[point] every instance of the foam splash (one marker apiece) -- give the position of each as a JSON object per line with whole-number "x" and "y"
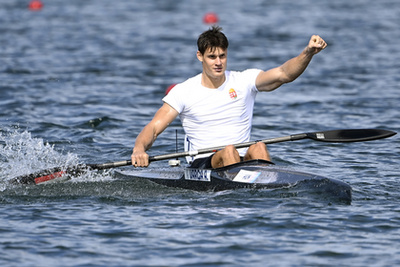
{"x": 22, "y": 154}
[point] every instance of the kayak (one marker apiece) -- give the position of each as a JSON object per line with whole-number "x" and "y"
{"x": 249, "y": 174}
{"x": 252, "y": 174}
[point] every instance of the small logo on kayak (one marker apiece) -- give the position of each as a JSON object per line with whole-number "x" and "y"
{"x": 232, "y": 94}
{"x": 245, "y": 176}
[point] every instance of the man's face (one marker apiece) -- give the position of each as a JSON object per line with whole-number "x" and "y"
{"x": 214, "y": 62}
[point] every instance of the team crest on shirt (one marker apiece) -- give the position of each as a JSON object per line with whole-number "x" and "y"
{"x": 232, "y": 94}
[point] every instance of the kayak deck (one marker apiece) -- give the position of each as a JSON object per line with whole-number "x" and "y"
{"x": 253, "y": 174}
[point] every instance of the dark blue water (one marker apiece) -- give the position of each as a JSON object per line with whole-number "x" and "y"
{"x": 79, "y": 80}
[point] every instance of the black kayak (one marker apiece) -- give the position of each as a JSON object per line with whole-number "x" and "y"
{"x": 250, "y": 174}
{"x": 253, "y": 174}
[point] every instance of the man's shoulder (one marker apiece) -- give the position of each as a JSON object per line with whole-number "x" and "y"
{"x": 245, "y": 72}
{"x": 187, "y": 86}
{"x": 245, "y": 77}
{"x": 191, "y": 80}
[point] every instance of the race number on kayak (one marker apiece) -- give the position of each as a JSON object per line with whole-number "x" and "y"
{"x": 198, "y": 175}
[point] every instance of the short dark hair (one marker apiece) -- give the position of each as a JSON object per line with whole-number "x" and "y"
{"x": 212, "y": 38}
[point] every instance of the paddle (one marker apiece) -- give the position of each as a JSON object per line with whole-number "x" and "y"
{"x": 347, "y": 135}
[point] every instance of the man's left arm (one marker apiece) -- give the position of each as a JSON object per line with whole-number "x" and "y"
{"x": 271, "y": 79}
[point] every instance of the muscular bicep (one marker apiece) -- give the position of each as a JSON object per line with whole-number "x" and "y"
{"x": 163, "y": 117}
{"x": 271, "y": 79}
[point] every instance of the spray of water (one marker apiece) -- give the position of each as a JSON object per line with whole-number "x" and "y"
{"x": 22, "y": 154}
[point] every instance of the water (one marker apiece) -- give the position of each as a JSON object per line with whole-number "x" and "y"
{"x": 79, "y": 79}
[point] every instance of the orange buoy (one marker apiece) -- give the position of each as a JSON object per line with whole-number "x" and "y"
{"x": 210, "y": 18}
{"x": 35, "y": 5}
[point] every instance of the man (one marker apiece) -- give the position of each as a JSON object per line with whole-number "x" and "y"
{"x": 216, "y": 106}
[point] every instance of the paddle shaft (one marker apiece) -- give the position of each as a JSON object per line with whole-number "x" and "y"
{"x": 215, "y": 149}
{"x": 340, "y": 136}
{"x": 197, "y": 152}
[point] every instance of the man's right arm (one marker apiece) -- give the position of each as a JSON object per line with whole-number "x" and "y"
{"x": 163, "y": 117}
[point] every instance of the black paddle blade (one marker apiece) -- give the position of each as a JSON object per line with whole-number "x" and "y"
{"x": 350, "y": 135}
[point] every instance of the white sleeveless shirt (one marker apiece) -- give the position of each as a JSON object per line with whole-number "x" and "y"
{"x": 216, "y": 117}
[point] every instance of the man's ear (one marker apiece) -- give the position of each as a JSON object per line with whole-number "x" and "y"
{"x": 200, "y": 56}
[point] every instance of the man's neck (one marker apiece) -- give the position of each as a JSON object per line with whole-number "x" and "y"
{"x": 212, "y": 83}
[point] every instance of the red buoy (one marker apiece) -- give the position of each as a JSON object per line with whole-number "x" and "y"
{"x": 35, "y": 5}
{"x": 169, "y": 88}
{"x": 210, "y": 18}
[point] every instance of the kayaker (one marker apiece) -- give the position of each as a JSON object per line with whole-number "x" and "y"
{"x": 216, "y": 106}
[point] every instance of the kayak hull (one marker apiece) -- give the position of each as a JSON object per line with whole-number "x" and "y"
{"x": 253, "y": 174}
